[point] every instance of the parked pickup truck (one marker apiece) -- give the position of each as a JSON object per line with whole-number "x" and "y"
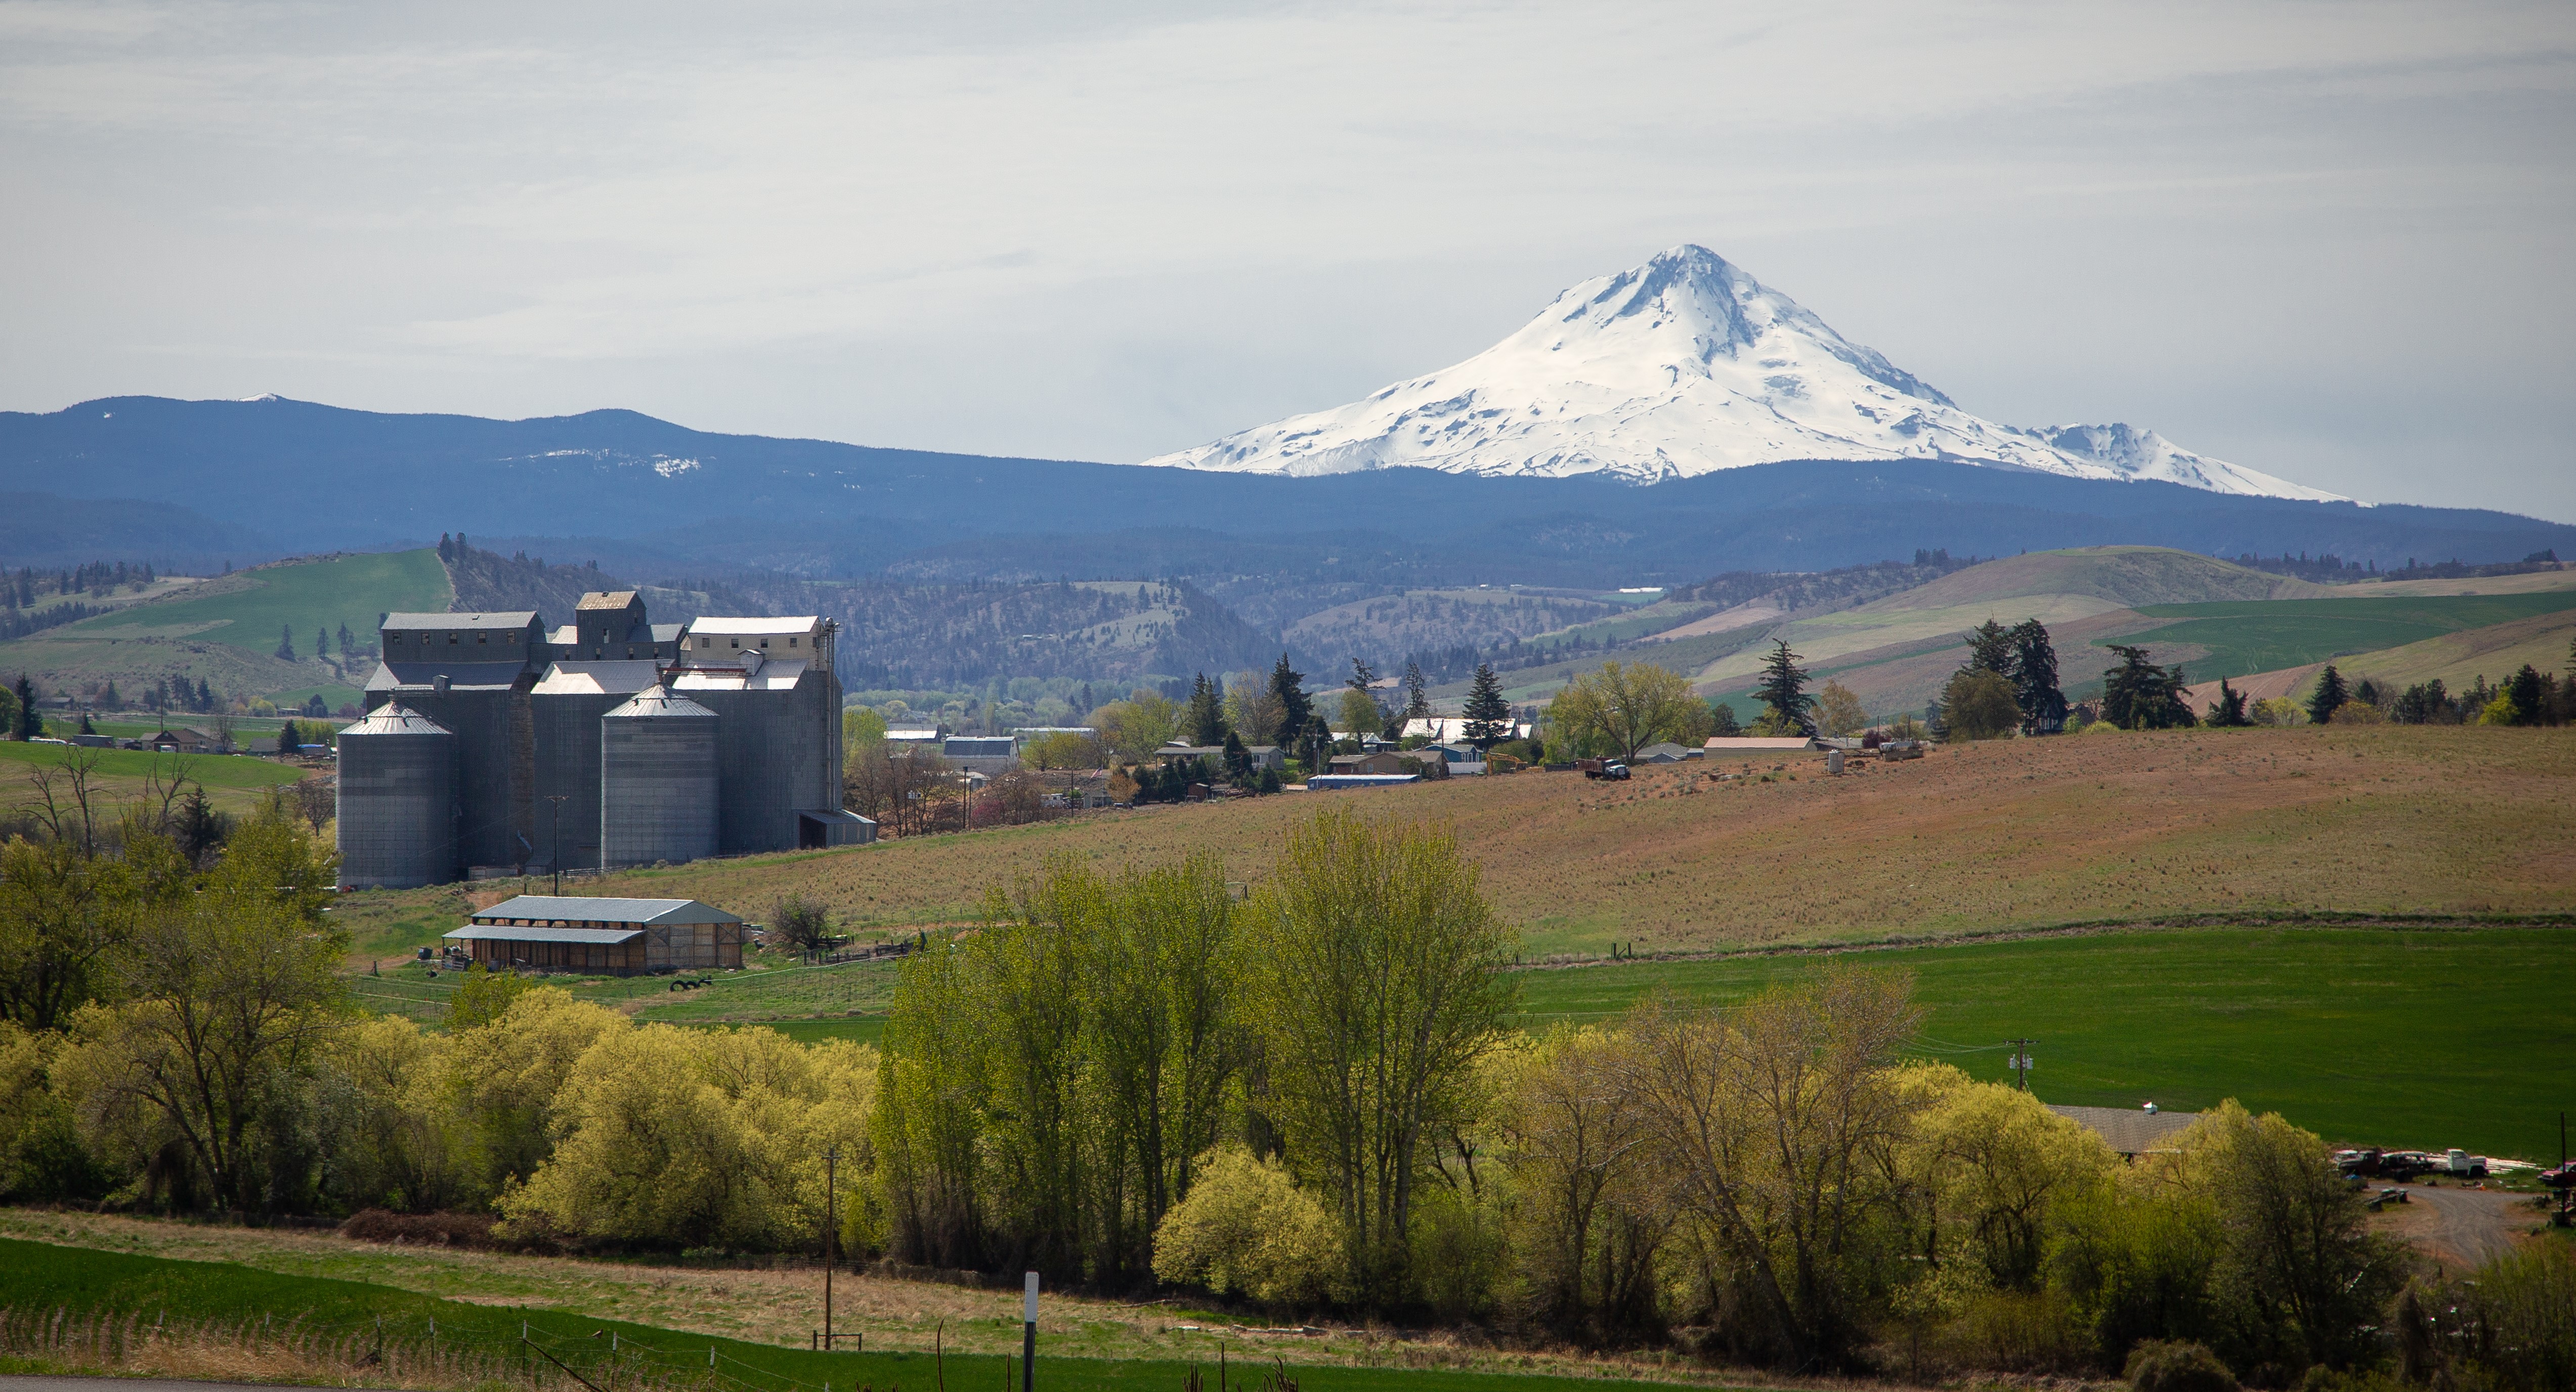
{"x": 1602, "y": 768}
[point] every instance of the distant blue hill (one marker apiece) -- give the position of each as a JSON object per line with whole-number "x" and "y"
{"x": 651, "y": 497}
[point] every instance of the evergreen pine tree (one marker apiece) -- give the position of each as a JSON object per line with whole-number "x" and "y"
{"x": 1417, "y": 692}
{"x": 205, "y": 696}
{"x": 322, "y": 642}
{"x": 2034, "y": 677}
{"x": 85, "y": 727}
{"x": 110, "y": 699}
{"x": 1206, "y": 712}
{"x": 31, "y": 724}
{"x": 285, "y": 643}
{"x": 2331, "y": 694}
{"x": 446, "y": 551}
{"x": 1783, "y": 688}
{"x": 1990, "y": 649}
{"x": 2139, "y": 695}
{"x": 1297, "y": 713}
{"x": 1489, "y": 716}
{"x": 2229, "y": 710}
{"x": 286, "y": 738}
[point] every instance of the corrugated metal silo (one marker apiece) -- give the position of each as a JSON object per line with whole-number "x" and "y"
{"x": 657, "y": 780}
{"x": 397, "y": 801}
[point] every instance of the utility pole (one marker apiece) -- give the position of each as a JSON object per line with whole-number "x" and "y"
{"x": 831, "y": 1235}
{"x": 554, "y": 818}
{"x": 2021, "y": 1062}
{"x": 1029, "y": 1336}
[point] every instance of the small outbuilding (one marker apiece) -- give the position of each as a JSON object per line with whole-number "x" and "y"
{"x": 2142, "y": 1131}
{"x": 612, "y": 937}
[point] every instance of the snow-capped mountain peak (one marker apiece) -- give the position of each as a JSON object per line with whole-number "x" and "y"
{"x": 1683, "y": 366}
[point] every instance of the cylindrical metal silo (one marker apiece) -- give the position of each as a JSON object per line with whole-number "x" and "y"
{"x": 657, "y": 780}
{"x": 397, "y": 801}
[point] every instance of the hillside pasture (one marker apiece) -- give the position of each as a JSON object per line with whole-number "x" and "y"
{"x": 232, "y": 781}
{"x": 247, "y": 608}
{"x": 2015, "y": 834}
{"x": 2236, "y": 639}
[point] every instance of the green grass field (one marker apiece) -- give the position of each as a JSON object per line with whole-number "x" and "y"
{"x": 324, "y": 594}
{"x": 231, "y": 780}
{"x": 2244, "y": 637}
{"x": 43, "y": 1277}
{"x": 2422, "y": 1039}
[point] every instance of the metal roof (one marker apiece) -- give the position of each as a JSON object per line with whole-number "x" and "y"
{"x": 463, "y": 676}
{"x": 494, "y": 932}
{"x": 394, "y": 718}
{"x": 655, "y": 701}
{"x": 516, "y": 618}
{"x": 606, "y": 599}
{"x": 600, "y": 677}
{"x": 772, "y": 676}
{"x": 2131, "y": 1131}
{"x": 722, "y": 627}
{"x": 582, "y": 910}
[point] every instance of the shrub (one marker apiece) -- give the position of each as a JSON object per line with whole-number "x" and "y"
{"x": 1246, "y": 1229}
{"x": 2160, "y": 1366}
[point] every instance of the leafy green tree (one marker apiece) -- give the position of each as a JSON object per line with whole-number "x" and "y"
{"x": 2329, "y": 697}
{"x": 2228, "y": 711}
{"x": 1722, "y": 722}
{"x": 1206, "y": 718}
{"x": 1839, "y": 712}
{"x": 1489, "y": 716}
{"x": 1623, "y": 707}
{"x": 1379, "y": 999}
{"x": 1359, "y": 704}
{"x": 483, "y": 996}
{"x": 1783, "y": 690}
{"x": 1977, "y": 704}
{"x": 2034, "y": 675}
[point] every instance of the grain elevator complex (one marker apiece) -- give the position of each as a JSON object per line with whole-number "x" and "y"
{"x": 490, "y": 741}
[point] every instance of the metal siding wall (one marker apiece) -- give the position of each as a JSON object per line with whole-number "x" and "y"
{"x": 568, "y": 763}
{"x": 768, "y": 752}
{"x": 397, "y": 809}
{"x": 659, "y": 788}
{"x": 488, "y": 790}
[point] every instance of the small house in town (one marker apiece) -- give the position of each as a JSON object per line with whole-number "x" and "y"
{"x": 613, "y": 937}
{"x": 1382, "y": 761}
{"x": 1664, "y": 753}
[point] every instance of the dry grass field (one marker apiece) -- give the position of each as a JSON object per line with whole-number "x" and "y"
{"x": 2005, "y": 836}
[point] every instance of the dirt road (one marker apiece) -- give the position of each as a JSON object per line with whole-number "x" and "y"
{"x": 2462, "y": 1228}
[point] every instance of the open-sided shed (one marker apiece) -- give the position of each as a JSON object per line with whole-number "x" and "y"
{"x": 617, "y": 937}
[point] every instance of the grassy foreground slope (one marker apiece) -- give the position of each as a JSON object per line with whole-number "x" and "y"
{"x": 2010, "y": 835}
{"x": 2420, "y": 1039}
{"x": 569, "y": 1309}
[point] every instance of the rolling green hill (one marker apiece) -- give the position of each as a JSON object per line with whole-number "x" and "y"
{"x": 246, "y": 609}
{"x": 2237, "y": 638}
{"x": 224, "y": 631}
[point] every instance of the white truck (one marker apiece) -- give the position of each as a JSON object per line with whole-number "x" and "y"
{"x": 2460, "y": 1164}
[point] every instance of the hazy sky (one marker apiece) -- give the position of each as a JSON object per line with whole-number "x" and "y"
{"x": 2328, "y": 241}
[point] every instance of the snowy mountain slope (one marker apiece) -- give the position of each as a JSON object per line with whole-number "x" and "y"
{"x": 1684, "y": 366}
